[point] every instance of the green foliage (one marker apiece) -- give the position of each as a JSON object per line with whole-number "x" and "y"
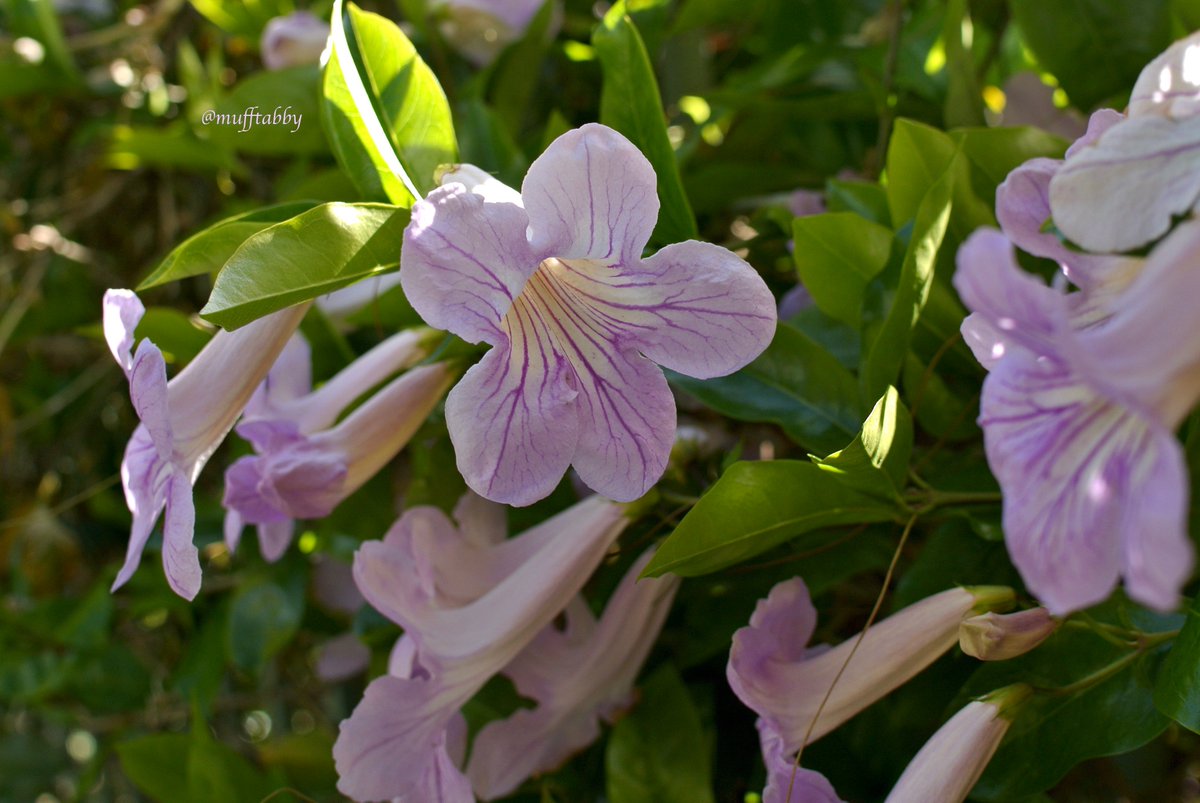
{"x": 630, "y": 103}
{"x": 837, "y": 255}
{"x": 309, "y": 255}
{"x": 660, "y": 753}
{"x": 263, "y": 617}
{"x": 876, "y": 461}
{"x": 1177, "y": 694}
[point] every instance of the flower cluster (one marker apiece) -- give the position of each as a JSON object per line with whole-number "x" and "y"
{"x": 1086, "y": 388}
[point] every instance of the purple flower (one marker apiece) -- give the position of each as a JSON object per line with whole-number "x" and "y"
{"x": 469, "y": 602}
{"x": 1078, "y": 421}
{"x": 805, "y": 203}
{"x": 1124, "y": 190}
{"x": 293, "y": 41}
{"x": 776, "y": 674}
{"x": 481, "y": 29}
{"x": 995, "y": 636}
{"x": 947, "y": 767}
{"x": 305, "y": 466}
{"x": 553, "y": 279}
{"x": 182, "y": 423}
{"x": 577, "y": 675}
{"x": 786, "y": 782}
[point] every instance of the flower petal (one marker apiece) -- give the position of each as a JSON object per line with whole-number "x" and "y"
{"x": 123, "y": 310}
{"x": 181, "y": 560}
{"x": 591, "y": 195}
{"x": 1157, "y": 556}
{"x": 511, "y": 416}
{"x": 1124, "y": 192}
{"x": 693, "y": 307}
{"x": 464, "y": 261}
{"x": 148, "y": 392}
{"x": 143, "y": 477}
{"x": 787, "y": 783}
{"x": 290, "y": 378}
{"x": 1170, "y": 85}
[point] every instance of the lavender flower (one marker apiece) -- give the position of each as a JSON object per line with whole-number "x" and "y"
{"x": 469, "y": 602}
{"x": 305, "y": 466}
{"x": 1078, "y": 421}
{"x": 773, "y": 671}
{"x": 481, "y": 29}
{"x": 553, "y": 279}
{"x": 293, "y": 41}
{"x": 577, "y": 676}
{"x": 182, "y": 423}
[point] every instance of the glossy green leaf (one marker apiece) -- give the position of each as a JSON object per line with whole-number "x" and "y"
{"x": 1054, "y": 731}
{"x": 207, "y": 251}
{"x": 886, "y": 355}
{"x": 794, "y": 383}
{"x": 385, "y": 113}
{"x": 919, "y": 156}
{"x": 630, "y": 103}
{"x": 993, "y": 153}
{"x": 240, "y": 17}
{"x": 1069, "y": 36}
{"x": 876, "y": 461}
{"x": 756, "y": 506}
{"x": 262, "y": 618}
{"x": 837, "y": 254}
{"x": 309, "y": 255}
{"x": 659, "y": 753}
{"x": 157, "y": 764}
{"x": 1177, "y": 693}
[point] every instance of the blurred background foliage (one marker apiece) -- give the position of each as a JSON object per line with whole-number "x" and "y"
{"x": 106, "y": 165}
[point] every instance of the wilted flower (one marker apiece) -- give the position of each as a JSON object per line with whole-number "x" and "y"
{"x": 1078, "y": 421}
{"x": 999, "y": 636}
{"x": 305, "y": 467}
{"x": 294, "y": 40}
{"x": 469, "y": 601}
{"x": 773, "y": 671}
{"x": 182, "y": 423}
{"x": 1143, "y": 172}
{"x": 947, "y": 767}
{"x": 553, "y": 279}
{"x": 577, "y": 676}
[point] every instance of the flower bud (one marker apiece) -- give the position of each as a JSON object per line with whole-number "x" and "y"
{"x": 998, "y": 637}
{"x": 947, "y": 767}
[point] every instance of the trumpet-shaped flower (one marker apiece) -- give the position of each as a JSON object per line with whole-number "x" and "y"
{"x": 577, "y": 676}
{"x": 999, "y": 636}
{"x": 305, "y": 467}
{"x": 293, "y": 41}
{"x": 1078, "y": 421}
{"x": 947, "y": 767}
{"x": 469, "y": 601}
{"x": 553, "y": 278}
{"x": 1126, "y": 189}
{"x": 773, "y": 671}
{"x": 182, "y": 423}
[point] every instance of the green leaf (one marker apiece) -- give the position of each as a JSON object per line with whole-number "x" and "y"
{"x": 514, "y": 77}
{"x": 295, "y": 92}
{"x": 386, "y": 115}
{"x": 630, "y": 103}
{"x": 876, "y": 461}
{"x": 964, "y": 103}
{"x": 88, "y": 625}
{"x": 263, "y": 617}
{"x": 111, "y": 680}
{"x": 315, "y": 253}
{"x": 242, "y": 18}
{"x": 1053, "y": 732}
{"x": 1177, "y": 694}
{"x": 756, "y": 506}
{"x": 918, "y": 157}
{"x": 37, "y": 20}
{"x": 659, "y": 753}
{"x": 886, "y": 355}
{"x": 133, "y": 147}
{"x": 1095, "y": 48}
{"x": 794, "y": 383}
{"x": 157, "y": 764}
{"x": 837, "y": 254}
{"x": 993, "y": 153}
{"x": 207, "y": 251}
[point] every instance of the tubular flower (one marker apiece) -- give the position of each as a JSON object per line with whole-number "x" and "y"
{"x": 480, "y": 29}
{"x": 293, "y": 41}
{"x": 469, "y": 602}
{"x": 1078, "y": 421}
{"x": 305, "y": 466}
{"x": 577, "y": 676}
{"x": 947, "y": 767}
{"x": 182, "y": 423}
{"x": 1125, "y": 189}
{"x": 773, "y": 671}
{"x": 553, "y": 279}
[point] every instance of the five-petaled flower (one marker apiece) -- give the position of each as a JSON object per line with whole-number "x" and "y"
{"x": 553, "y": 278}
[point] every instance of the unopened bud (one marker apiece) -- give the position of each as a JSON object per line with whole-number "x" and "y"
{"x": 998, "y": 637}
